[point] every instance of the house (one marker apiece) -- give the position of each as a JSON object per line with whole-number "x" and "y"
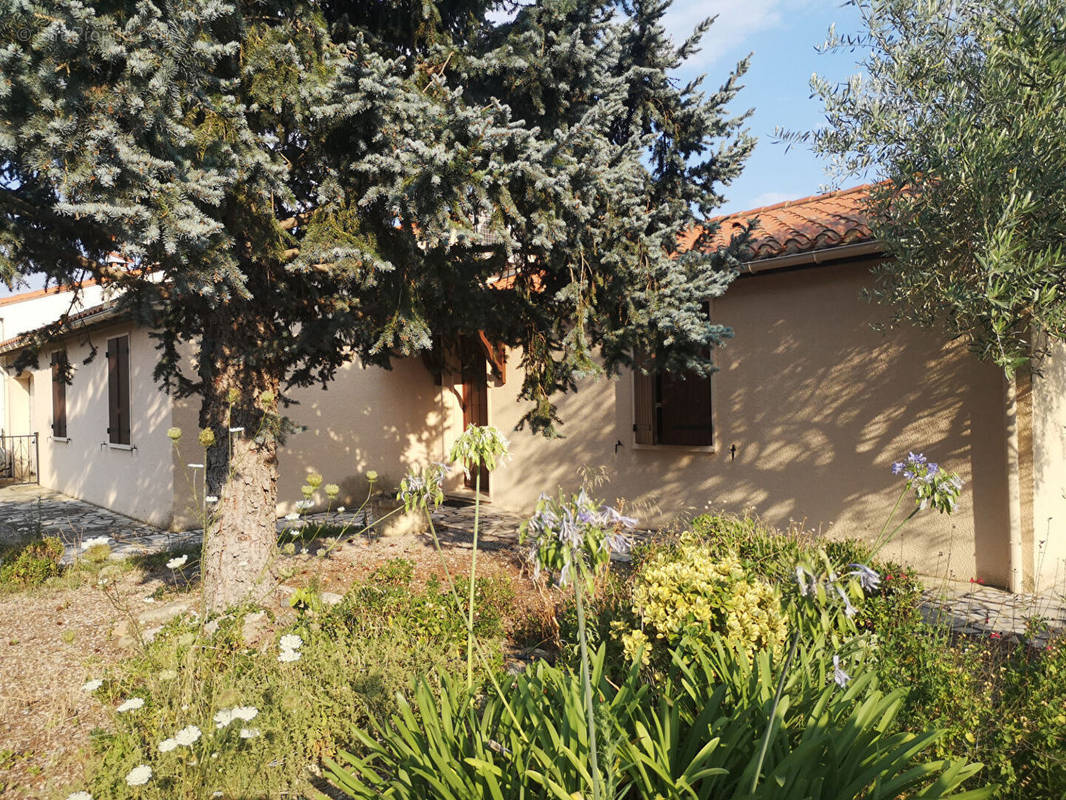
{"x": 809, "y": 409}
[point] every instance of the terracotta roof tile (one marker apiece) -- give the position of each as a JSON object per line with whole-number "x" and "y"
{"x": 818, "y": 222}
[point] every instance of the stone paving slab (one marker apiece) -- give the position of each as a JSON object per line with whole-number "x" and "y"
{"x": 986, "y": 611}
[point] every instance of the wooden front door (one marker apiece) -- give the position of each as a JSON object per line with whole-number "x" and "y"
{"x": 475, "y": 395}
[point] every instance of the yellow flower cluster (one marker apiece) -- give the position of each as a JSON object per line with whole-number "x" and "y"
{"x": 687, "y": 592}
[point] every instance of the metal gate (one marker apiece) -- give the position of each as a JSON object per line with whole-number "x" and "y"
{"x": 18, "y": 458}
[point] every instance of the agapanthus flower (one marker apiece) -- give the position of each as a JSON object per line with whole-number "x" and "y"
{"x": 839, "y": 675}
{"x": 578, "y": 523}
{"x": 806, "y": 580}
{"x": 869, "y": 580}
{"x": 849, "y": 609}
{"x": 139, "y": 776}
{"x": 177, "y": 563}
{"x": 187, "y": 736}
{"x": 130, "y": 705}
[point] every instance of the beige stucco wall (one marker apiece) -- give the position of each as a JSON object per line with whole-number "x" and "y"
{"x": 136, "y": 480}
{"x": 365, "y": 419}
{"x": 818, "y": 406}
{"x": 1049, "y": 471}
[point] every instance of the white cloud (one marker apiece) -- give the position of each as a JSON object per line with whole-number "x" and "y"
{"x": 734, "y": 32}
{"x": 772, "y": 198}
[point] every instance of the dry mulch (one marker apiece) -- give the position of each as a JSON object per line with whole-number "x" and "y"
{"x": 52, "y": 640}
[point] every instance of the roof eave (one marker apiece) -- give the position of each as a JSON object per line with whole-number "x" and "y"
{"x": 816, "y": 257}
{"x": 105, "y": 314}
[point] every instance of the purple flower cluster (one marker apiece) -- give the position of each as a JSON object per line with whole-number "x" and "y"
{"x": 565, "y": 533}
{"x": 932, "y": 486}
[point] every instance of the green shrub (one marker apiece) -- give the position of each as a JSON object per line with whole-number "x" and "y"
{"x": 683, "y": 593}
{"x": 762, "y": 550}
{"x": 31, "y": 564}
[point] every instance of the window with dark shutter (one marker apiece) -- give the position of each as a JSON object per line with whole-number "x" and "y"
{"x": 672, "y": 408}
{"x": 118, "y": 390}
{"x": 59, "y": 394}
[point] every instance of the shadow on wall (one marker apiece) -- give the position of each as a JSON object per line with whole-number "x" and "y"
{"x": 818, "y": 406}
{"x": 366, "y": 419}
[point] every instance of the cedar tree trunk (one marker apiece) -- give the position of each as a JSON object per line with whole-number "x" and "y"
{"x": 240, "y": 543}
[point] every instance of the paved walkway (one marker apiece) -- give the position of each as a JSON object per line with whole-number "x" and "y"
{"x": 27, "y": 510}
{"x": 978, "y": 610}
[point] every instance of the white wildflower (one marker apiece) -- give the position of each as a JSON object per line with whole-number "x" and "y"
{"x": 292, "y": 517}
{"x": 138, "y": 776}
{"x": 289, "y": 655}
{"x": 187, "y": 736}
{"x": 80, "y": 796}
{"x": 96, "y": 541}
{"x": 210, "y": 499}
{"x": 177, "y": 563}
{"x": 247, "y": 713}
{"x": 130, "y": 705}
{"x": 236, "y": 430}
{"x": 290, "y": 641}
{"x": 92, "y": 686}
{"x": 224, "y": 717}
{"x": 148, "y": 599}
{"x": 167, "y": 745}
{"x": 249, "y": 733}
{"x": 341, "y": 509}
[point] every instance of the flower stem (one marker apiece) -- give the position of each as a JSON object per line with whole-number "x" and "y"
{"x": 586, "y": 682}
{"x": 473, "y": 576}
{"x": 773, "y": 712}
{"x": 459, "y": 607}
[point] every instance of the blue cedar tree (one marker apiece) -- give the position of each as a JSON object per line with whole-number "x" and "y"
{"x": 298, "y": 183}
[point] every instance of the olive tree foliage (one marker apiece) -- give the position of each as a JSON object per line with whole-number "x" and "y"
{"x": 296, "y": 183}
{"x": 960, "y": 112}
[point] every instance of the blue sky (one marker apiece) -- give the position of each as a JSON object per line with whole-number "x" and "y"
{"x": 781, "y": 35}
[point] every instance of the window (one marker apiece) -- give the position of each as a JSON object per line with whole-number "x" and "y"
{"x": 672, "y": 409}
{"x": 60, "y": 370}
{"x": 118, "y": 390}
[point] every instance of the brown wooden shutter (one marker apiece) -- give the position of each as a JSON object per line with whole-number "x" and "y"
{"x": 685, "y": 410}
{"x": 643, "y": 407}
{"x": 59, "y": 394}
{"x": 118, "y": 390}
